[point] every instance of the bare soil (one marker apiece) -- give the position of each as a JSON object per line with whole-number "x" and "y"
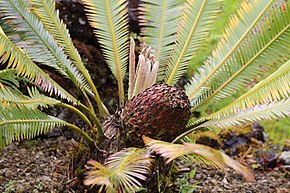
{"x": 44, "y": 165}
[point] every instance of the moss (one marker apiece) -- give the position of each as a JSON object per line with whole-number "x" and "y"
{"x": 207, "y": 138}
{"x": 79, "y": 172}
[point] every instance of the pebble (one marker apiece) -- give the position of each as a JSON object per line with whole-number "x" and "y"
{"x": 285, "y": 157}
{"x": 39, "y": 154}
{"x": 32, "y": 167}
{"x": 214, "y": 182}
{"x": 21, "y": 181}
{"x": 10, "y": 174}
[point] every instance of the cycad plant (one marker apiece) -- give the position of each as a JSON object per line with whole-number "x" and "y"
{"x": 253, "y": 53}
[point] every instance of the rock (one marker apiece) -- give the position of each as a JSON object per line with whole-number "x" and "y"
{"x": 10, "y": 174}
{"x": 285, "y": 157}
{"x": 21, "y": 181}
{"x": 281, "y": 190}
{"x": 20, "y": 187}
{"x": 39, "y": 154}
{"x": 214, "y": 182}
{"x": 268, "y": 157}
{"x": 45, "y": 179}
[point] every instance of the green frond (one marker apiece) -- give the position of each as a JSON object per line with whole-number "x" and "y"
{"x": 191, "y": 125}
{"x": 265, "y": 47}
{"x": 272, "y": 89}
{"x": 270, "y": 110}
{"x": 23, "y": 123}
{"x": 39, "y": 43}
{"x": 122, "y": 171}
{"x": 109, "y": 18}
{"x": 45, "y": 10}
{"x": 196, "y": 22}
{"x": 8, "y": 77}
{"x": 9, "y": 95}
{"x": 12, "y": 96}
{"x": 35, "y": 99}
{"x": 159, "y": 20}
{"x": 216, "y": 158}
{"x": 25, "y": 67}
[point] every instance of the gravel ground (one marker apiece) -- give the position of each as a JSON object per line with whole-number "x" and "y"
{"x": 275, "y": 180}
{"x": 35, "y": 166}
{"x": 43, "y": 166}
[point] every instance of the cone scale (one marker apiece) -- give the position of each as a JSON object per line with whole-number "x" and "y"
{"x": 160, "y": 112}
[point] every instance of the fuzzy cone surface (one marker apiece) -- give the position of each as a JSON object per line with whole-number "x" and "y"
{"x": 160, "y": 112}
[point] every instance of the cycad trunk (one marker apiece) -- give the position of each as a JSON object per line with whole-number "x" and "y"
{"x": 160, "y": 112}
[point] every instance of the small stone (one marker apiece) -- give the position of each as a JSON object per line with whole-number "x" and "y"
{"x": 21, "y": 181}
{"x": 281, "y": 190}
{"x": 220, "y": 190}
{"x": 198, "y": 176}
{"x": 285, "y": 157}
{"x": 10, "y": 174}
{"x": 39, "y": 154}
{"x": 226, "y": 186}
{"x": 45, "y": 179}
{"x": 262, "y": 181}
{"x": 82, "y": 21}
{"x": 225, "y": 180}
{"x": 214, "y": 182}
{"x": 20, "y": 187}
{"x": 32, "y": 181}
{"x": 26, "y": 185}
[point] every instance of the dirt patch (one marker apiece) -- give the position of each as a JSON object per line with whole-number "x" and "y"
{"x": 43, "y": 165}
{"x": 210, "y": 180}
{"x": 34, "y": 166}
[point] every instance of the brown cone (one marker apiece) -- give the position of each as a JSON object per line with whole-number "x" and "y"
{"x": 160, "y": 112}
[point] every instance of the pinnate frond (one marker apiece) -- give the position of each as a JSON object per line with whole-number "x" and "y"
{"x": 39, "y": 43}
{"x": 159, "y": 20}
{"x": 196, "y": 22}
{"x": 238, "y": 28}
{"x": 9, "y": 95}
{"x": 263, "y": 47}
{"x": 8, "y": 77}
{"x": 122, "y": 171}
{"x": 272, "y": 89}
{"x": 109, "y": 18}
{"x": 25, "y": 67}
{"x": 270, "y": 110}
{"x": 45, "y": 10}
{"x": 24, "y": 123}
{"x": 172, "y": 151}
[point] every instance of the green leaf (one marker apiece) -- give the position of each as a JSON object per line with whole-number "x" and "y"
{"x": 45, "y": 10}
{"x": 25, "y": 67}
{"x": 24, "y": 123}
{"x": 39, "y": 43}
{"x": 196, "y": 22}
{"x": 159, "y": 20}
{"x": 109, "y": 18}
{"x": 8, "y": 77}
{"x": 272, "y": 89}
{"x": 266, "y": 47}
{"x": 9, "y": 95}
{"x": 270, "y": 110}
